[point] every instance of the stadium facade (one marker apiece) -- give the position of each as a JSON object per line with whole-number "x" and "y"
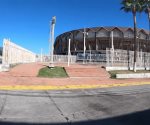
{"x": 100, "y": 38}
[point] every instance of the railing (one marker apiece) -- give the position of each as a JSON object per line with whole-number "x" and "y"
{"x": 56, "y": 58}
{"x": 79, "y": 58}
{"x": 110, "y": 58}
{"x": 91, "y": 57}
{"x": 125, "y": 58}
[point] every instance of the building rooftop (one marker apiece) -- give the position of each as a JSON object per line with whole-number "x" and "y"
{"x": 108, "y": 28}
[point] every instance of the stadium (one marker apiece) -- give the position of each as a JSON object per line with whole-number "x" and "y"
{"x": 97, "y": 39}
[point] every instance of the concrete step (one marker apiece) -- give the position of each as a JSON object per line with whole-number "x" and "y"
{"x": 87, "y": 72}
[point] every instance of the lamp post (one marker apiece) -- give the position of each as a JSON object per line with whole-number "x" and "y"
{"x": 52, "y": 40}
{"x": 112, "y": 41}
{"x": 85, "y": 34}
{"x": 90, "y": 52}
{"x": 69, "y": 52}
{"x": 112, "y": 47}
{"x": 41, "y": 54}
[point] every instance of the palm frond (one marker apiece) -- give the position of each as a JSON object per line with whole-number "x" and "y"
{"x": 133, "y": 5}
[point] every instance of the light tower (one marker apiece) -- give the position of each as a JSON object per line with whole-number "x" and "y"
{"x": 52, "y": 26}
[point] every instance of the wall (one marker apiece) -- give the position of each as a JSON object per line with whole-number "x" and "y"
{"x": 14, "y": 54}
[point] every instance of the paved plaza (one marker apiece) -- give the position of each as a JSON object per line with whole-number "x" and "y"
{"x": 85, "y": 75}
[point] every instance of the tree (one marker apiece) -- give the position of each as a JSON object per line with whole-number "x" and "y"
{"x": 146, "y": 9}
{"x": 133, "y": 6}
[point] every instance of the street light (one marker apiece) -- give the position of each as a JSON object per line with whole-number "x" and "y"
{"x": 112, "y": 41}
{"x": 52, "y": 40}
{"x": 41, "y": 54}
{"x": 85, "y": 34}
{"x": 69, "y": 52}
{"x": 112, "y": 47}
{"x": 84, "y": 37}
{"x": 90, "y": 51}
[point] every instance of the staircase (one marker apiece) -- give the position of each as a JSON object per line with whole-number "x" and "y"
{"x": 87, "y": 71}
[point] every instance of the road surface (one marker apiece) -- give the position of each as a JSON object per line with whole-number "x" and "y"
{"x": 107, "y": 106}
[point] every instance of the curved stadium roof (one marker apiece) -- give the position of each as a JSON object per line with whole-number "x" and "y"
{"x": 108, "y": 28}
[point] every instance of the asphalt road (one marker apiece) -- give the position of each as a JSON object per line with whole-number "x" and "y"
{"x": 109, "y": 106}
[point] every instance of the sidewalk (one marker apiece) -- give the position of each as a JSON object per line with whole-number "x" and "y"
{"x": 25, "y": 75}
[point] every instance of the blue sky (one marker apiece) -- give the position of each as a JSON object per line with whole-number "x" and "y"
{"x": 26, "y": 22}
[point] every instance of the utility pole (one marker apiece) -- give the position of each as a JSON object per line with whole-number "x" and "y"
{"x": 69, "y": 52}
{"x": 112, "y": 47}
{"x": 85, "y": 33}
{"x": 90, "y": 52}
{"x": 112, "y": 40}
{"x": 52, "y": 40}
{"x": 41, "y": 54}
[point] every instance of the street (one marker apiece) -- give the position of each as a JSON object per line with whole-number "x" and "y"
{"x": 106, "y": 106}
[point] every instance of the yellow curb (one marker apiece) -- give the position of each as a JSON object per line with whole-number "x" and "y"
{"x": 49, "y": 87}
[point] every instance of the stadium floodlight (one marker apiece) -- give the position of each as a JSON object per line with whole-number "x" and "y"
{"x": 53, "y": 22}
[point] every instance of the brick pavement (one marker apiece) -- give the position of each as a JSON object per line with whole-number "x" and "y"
{"x": 26, "y": 70}
{"x": 25, "y": 74}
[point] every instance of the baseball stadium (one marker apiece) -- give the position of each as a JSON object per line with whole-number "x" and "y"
{"x": 97, "y": 39}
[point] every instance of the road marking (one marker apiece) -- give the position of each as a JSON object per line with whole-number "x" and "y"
{"x": 50, "y": 87}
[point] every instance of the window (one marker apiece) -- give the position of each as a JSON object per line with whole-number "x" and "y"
{"x": 142, "y": 35}
{"x": 117, "y": 33}
{"x": 102, "y": 33}
{"x": 79, "y": 36}
{"x": 91, "y": 34}
{"x": 63, "y": 39}
{"x": 129, "y": 34}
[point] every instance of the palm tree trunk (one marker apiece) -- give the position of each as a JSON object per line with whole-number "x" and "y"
{"x": 148, "y": 9}
{"x": 135, "y": 42}
{"x": 148, "y": 50}
{"x": 149, "y": 32}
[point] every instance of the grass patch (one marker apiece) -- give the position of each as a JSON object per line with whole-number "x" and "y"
{"x": 56, "y": 72}
{"x": 113, "y": 73}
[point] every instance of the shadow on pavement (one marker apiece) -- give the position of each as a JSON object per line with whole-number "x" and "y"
{"x": 138, "y": 118}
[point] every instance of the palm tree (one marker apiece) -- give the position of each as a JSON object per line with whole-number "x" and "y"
{"x": 133, "y": 6}
{"x": 146, "y": 9}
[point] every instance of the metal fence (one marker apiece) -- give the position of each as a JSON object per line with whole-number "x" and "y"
{"x": 125, "y": 58}
{"x": 90, "y": 58}
{"x": 56, "y": 58}
{"x": 108, "y": 58}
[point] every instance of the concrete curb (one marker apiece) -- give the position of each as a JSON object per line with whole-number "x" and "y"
{"x": 70, "y": 87}
{"x": 125, "y": 68}
{"x": 137, "y": 75}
